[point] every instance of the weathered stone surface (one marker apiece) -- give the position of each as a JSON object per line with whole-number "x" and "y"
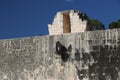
{"x": 92, "y": 55}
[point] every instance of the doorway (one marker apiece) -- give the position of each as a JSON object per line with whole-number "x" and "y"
{"x": 66, "y": 23}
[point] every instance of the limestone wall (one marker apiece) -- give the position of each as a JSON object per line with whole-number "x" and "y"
{"x": 77, "y": 24}
{"x": 82, "y": 56}
{"x": 57, "y": 26}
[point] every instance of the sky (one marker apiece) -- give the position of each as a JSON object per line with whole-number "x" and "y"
{"x": 27, "y": 18}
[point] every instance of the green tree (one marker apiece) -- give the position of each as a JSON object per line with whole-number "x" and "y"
{"x": 96, "y": 24}
{"x": 118, "y": 23}
{"x": 114, "y": 25}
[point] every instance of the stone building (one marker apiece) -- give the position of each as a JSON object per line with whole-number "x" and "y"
{"x": 71, "y": 21}
{"x": 90, "y": 55}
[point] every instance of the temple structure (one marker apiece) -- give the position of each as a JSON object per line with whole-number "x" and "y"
{"x": 71, "y": 21}
{"x": 90, "y": 55}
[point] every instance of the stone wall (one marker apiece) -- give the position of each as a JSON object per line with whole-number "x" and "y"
{"x": 78, "y": 22}
{"x": 91, "y": 55}
{"x": 57, "y": 25}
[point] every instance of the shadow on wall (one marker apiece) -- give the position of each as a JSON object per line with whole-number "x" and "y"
{"x": 106, "y": 64}
{"x": 102, "y": 65}
{"x": 63, "y": 51}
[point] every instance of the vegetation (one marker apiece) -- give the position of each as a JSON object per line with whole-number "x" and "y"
{"x": 114, "y": 25}
{"x": 96, "y": 24}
